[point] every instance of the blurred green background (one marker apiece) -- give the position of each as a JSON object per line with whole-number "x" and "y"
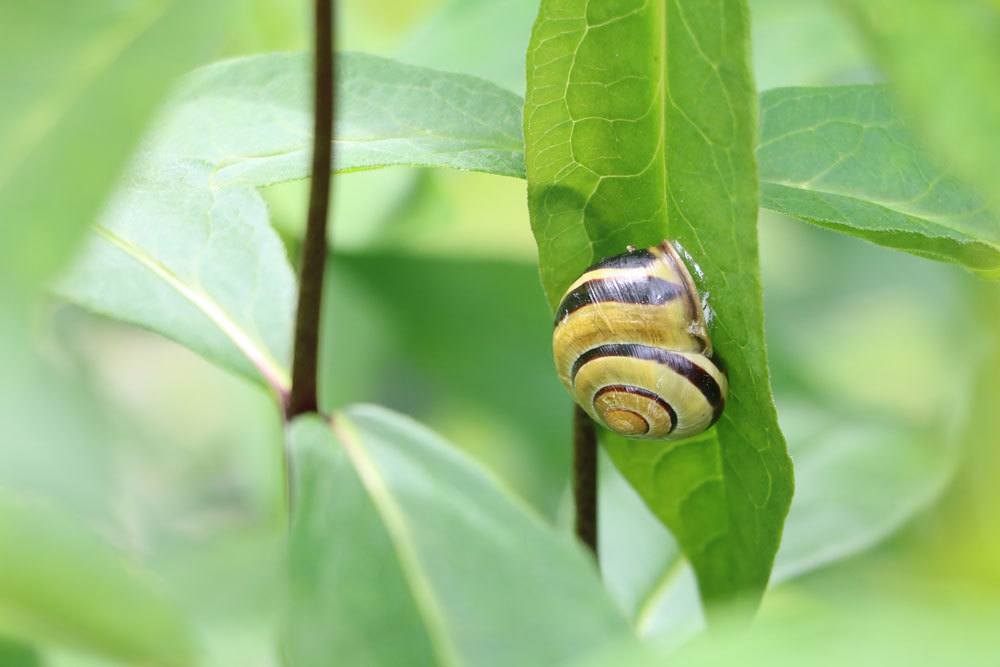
{"x": 436, "y": 311}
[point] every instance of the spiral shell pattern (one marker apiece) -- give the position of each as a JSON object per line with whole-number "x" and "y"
{"x": 631, "y": 346}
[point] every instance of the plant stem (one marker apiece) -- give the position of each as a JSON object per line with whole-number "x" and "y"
{"x": 585, "y": 477}
{"x": 305, "y": 362}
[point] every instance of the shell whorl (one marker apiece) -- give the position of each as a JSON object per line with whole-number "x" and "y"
{"x": 631, "y": 346}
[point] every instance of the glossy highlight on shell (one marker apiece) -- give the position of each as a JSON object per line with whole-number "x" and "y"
{"x": 631, "y": 346}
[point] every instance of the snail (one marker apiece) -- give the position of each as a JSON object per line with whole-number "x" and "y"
{"x": 632, "y": 347}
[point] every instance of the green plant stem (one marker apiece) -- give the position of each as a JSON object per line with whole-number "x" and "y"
{"x": 305, "y": 364}
{"x": 585, "y": 478}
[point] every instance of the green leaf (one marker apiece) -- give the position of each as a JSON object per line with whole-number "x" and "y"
{"x": 185, "y": 247}
{"x": 18, "y": 655}
{"x": 79, "y": 81}
{"x": 943, "y": 61}
{"x": 201, "y": 266}
{"x": 443, "y": 567}
{"x": 841, "y": 158}
{"x": 60, "y": 583}
{"x": 250, "y": 119}
{"x": 639, "y": 126}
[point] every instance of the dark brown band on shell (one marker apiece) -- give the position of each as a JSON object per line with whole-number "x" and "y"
{"x": 639, "y": 391}
{"x": 692, "y": 372}
{"x": 643, "y": 290}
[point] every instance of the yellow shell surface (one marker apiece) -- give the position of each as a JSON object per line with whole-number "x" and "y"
{"x": 631, "y": 345}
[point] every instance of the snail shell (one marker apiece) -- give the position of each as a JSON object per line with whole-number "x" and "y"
{"x": 631, "y": 346}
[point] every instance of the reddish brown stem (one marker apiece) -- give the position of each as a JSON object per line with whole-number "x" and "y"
{"x": 585, "y": 478}
{"x": 305, "y": 365}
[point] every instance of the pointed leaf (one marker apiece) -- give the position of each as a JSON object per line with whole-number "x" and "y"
{"x": 639, "y": 126}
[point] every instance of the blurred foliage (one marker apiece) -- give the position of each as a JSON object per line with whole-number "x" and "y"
{"x": 453, "y": 35}
{"x": 855, "y": 627}
{"x": 426, "y": 360}
{"x": 842, "y": 158}
{"x": 172, "y": 467}
{"x": 71, "y": 71}
{"x": 953, "y": 101}
{"x": 18, "y": 655}
{"x": 53, "y": 572}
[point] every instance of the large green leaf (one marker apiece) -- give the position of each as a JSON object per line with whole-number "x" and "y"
{"x": 841, "y": 158}
{"x": 640, "y": 125}
{"x": 403, "y": 552}
{"x": 79, "y": 80}
{"x": 59, "y": 583}
{"x": 185, "y": 247}
{"x": 943, "y": 61}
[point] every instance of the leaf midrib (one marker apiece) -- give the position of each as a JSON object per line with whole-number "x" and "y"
{"x": 255, "y": 352}
{"x": 406, "y": 552}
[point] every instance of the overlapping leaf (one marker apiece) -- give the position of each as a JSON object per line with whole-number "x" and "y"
{"x": 639, "y": 126}
{"x": 185, "y": 247}
{"x": 403, "y": 552}
{"x": 250, "y": 118}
